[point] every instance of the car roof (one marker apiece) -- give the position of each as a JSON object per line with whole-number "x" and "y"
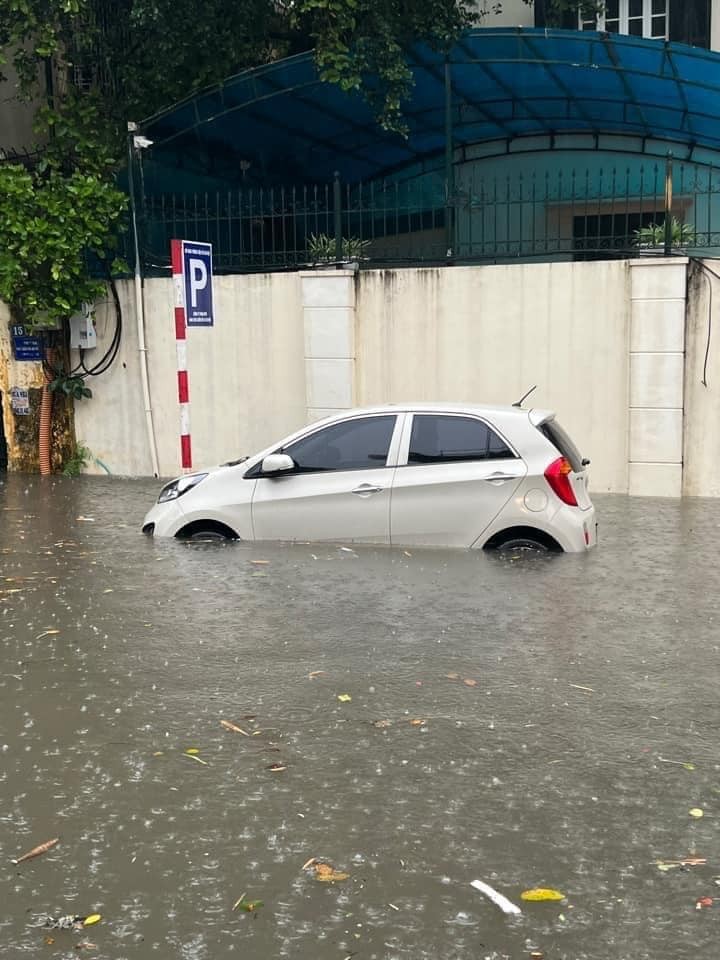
{"x": 538, "y": 415}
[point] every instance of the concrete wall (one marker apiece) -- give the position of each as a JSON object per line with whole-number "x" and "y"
{"x": 617, "y": 348}
{"x": 247, "y": 377}
{"x": 487, "y": 334}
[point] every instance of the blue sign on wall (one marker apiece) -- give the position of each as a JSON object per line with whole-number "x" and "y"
{"x": 197, "y": 273}
{"x": 25, "y": 347}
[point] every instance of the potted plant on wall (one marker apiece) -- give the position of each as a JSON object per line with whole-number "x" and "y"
{"x": 651, "y": 239}
{"x": 322, "y": 250}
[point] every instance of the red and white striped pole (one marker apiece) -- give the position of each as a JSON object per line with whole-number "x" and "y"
{"x": 181, "y": 349}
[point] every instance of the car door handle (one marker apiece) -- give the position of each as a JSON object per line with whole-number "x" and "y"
{"x": 365, "y": 490}
{"x": 499, "y": 477}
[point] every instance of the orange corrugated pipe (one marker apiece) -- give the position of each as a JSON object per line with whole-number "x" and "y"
{"x": 46, "y": 404}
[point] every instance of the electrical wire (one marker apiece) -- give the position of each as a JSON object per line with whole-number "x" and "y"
{"x": 706, "y": 268}
{"x": 111, "y": 353}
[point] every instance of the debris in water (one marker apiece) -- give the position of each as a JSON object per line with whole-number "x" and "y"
{"x": 696, "y": 812}
{"x": 344, "y": 697}
{"x": 37, "y": 851}
{"x": 69, "y": 922}
{"x": 85, "y": 945}
{"x": 325, "y": 872}
{"x": 579, "y": 686}
{"x": 452, "y": 676}
{"x": 507, "y": 906}
{"x": 93, "y": 918}
{"x": 666, "y": 865}
{"x": 538, "y": 894}
{"x": 470, "y": 683}
{"x": 191, "y": 756}
{"x": 277, "y": 767}
{"x": 233, "y": 727}
{"x": 417, "y": 722}
{"x": 316, "y": 673}
{"x": 381, "y": 724}
{"x": 703, "y": 902}
{"x": 260, "y": 563}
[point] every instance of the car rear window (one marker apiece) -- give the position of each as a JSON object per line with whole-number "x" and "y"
{"x": 552, "y": 430}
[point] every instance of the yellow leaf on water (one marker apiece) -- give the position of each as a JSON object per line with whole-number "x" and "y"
{"x": 93, "y": 918}
{"x": 326, "y": 873}
{"x": 696, "y": 812}
{"x": 344, "y": 697}
{"x": 541, "y": 893}
{"x": 192, "y": 751}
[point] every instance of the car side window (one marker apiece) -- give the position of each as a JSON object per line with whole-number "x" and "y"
{"x": 447, "y": 439}
{"x": 351, "y": 445}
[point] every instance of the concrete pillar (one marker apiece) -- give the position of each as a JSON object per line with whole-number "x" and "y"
{"x": 657, "y": 352}
{"x": 328, "y": 301}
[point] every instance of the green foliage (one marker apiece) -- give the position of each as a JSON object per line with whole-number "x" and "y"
{"x": 682, "y": 234}
{"x": 49, "y": 222}
{"x": 78, "y": 461}
{"x": 360, "y": 39}
{"x": 71, "y": 386}
{"x": 322, "y": 248}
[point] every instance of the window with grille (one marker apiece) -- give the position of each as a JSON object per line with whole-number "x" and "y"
{"x": 637, "y": 18}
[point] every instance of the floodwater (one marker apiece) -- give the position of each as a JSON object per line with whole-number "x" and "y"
{"x": 569, "y": 710}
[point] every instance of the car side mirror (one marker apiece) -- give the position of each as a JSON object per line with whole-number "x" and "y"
{"x": 276, "y": 463}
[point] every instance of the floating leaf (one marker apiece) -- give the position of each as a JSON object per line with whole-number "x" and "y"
{"x": 49, "y": 941}
{"x": 260, "y": 563}
{"x": 344, "y": 697}
{"x": 327, "y": 874}
{"x": 382, "y": 724}
{"x": 316, "y": 673}
{"x": 696, "y": 812}
{"x": 470, "y": 683}
{"x": 417, "y": 722}
{"x": 277, "y": 767}
{"x": 689, "y": 766}
{"x": 192, "y": 751}
{"x": 233, "y": 727}
{"x": 93, "y": 918}
{"x": 452, "y": 676}
{"x": 250, "y": 906}
{"x": 541, "y": 893}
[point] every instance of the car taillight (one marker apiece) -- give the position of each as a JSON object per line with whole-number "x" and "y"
{"x": 558, "y": 476}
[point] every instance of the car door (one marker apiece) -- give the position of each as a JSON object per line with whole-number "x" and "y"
{"x": 455, "y": 475}
{"x": 339, "y": 489}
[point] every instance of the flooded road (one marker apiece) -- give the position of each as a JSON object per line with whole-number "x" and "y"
{"x": 569, "y": 723}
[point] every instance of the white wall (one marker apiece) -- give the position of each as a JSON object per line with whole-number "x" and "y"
{"x": 602, "y": 340}
{"x": 514, "y": 13}
{"x": 247, "y": 378}
{"x": 487, "y": 334}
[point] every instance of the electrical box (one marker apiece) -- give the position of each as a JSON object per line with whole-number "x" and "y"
{"x": 82, "y": 329}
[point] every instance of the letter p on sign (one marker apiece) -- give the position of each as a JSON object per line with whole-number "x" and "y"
{"x": 197, "y": 276}
{"x": 198, "y": 279}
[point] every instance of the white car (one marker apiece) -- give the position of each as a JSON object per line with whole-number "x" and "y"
{"x": 421, "y": 474}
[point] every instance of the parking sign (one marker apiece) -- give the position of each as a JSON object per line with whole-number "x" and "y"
{"x": 197, "y": 276}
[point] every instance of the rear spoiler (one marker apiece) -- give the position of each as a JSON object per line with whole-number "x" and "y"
{"x": 538, "y": 417}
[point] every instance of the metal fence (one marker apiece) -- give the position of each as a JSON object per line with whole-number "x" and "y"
{"x": 549, "y": 214}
